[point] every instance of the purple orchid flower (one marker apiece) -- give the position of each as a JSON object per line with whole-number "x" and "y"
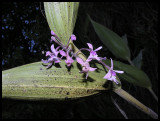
{"x": 68, "y": 60}
{"x": 86, "y": 67}
{"x": 111, "y": 75}
{"x": 93, "y": 54}
{"x": 52, "y": 56}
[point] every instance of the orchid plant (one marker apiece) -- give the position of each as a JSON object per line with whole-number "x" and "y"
{"x": 67, "y": 52}
{"x": 29, "y": 84}
{"x": 57, "y": 17}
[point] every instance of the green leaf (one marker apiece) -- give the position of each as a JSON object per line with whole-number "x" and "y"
{"x": 138, "y": 60}
{"x": 124, "y": 38}
{"x": 112, "y": 41}
{"x": 61, "y": 18}
{"x": 35, "y": 82}
{"x": 132, "y": 74}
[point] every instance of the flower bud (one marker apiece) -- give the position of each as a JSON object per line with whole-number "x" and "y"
{"x": 73, "y": 37}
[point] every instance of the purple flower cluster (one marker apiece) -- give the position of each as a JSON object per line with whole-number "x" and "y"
{"x": 66, "y": 52}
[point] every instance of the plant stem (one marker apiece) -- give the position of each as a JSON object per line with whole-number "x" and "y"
{"x": 153, "y": 94}
{"x": 68, "y": 42}
{"x": 129, "y": 98}
{"x": 76, "y": 52}
{"x": 104, "y": 64}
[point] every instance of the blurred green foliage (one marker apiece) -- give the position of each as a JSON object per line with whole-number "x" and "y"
{"x": 25, "y": 34}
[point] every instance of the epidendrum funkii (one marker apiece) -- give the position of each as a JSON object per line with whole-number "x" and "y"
{"x": 67, "y": 52}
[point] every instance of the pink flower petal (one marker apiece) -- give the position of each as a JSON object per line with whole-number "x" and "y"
{"x": 90, "y": 46}
{"x": 86, "y": 75}
{"x": 49, "y": 65}
{"x": 104, "y": 58}
{"x": 108, "y": 75}
{"x": 57, "y": 61}
{"x": 70, "y": 59}
{"x": 80, "y": 61}
{"x": 92, "y": 69}
{"x": 86, "y": 65}
{"x": 98, "y": 48}
{"x": 53, "y": 49}
{"x": 100, "y": 58}
{"x": 51, "y": 58}
{"x": 48, "y": 53}
{"x": 62, "y": 53}
{"x": 111, "y": 63}
{"x": 44, "y": 61}
{"x": 89, "y": 58}
{"x": 117, "y": 71}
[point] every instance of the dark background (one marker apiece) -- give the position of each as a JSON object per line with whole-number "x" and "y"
{"x": 25, "y": 34}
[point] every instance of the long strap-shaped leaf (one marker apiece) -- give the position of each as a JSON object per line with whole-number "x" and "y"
{"x": 111, "y": 40}
{"x": 35, "y": 82}
{"x": 135, "y": 102}
{"x": 61, "y": 18}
